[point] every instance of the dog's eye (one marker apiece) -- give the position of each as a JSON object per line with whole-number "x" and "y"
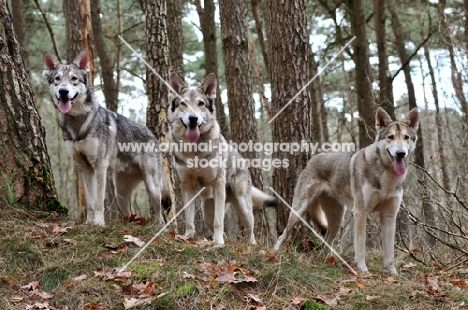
{"x": 407, "y": 137}
{"x": 182, "y": 103}
{"x": 391, "y": 137}
{"x": 74, "y": 78}
{"x": 57, "y": 78}
{"x": 201, "y": 103}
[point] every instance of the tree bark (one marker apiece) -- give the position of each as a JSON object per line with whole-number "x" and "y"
{"x": 428, "y": 209}
{"x": 176, "y": 38}
{"x": 78, "y": 30}
{"x": 18, "y": 11}
{"x": 176, "y": 50}
{"x": 386, "y": 100}
{"x": 111, "y": 93}
{"x": 363, "y": 76}
{"x": 78, "y": 36}
{"x": 288, "y": 74}
{"x": 206, "y": 14}
{"x": 259, "y": 31}
{"x": 318, "y": 130}
{"x": 259, "y": 76}
{"x": 239, "y": 79}
{"x": 26, "y": 176}
{"x": 157, "y": 56}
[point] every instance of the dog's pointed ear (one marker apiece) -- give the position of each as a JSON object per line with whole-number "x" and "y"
{"x": 413, "y": 119}
{"x": 50, "y": 62}
{"x": 82, "y": 60}
{"x": 176, "y": 83}
{"x": 382, "y": 119}
{"x": 209, "y": 86}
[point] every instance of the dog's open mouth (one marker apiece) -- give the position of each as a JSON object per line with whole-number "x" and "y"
{"x": 399, "y": 165}
{"x": 65, "y": 103}
{"x": 192, "y": 132}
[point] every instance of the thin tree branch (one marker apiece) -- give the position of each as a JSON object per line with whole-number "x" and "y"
{"x": 49, "y": 28}
{"x": 412, "y": 55}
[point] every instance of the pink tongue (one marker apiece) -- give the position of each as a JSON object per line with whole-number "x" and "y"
{"x": 399, "y": 166}
{"x": 64, "y": 106}
{"x": 192, "y": 134}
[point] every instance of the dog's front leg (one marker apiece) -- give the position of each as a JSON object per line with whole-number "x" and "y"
{"x": 388, "y": 222}
{"x": 188, "y": 194}
{"x": 360, "y": 218}
{"x": 94, "y": 181}
{"x": 101, "y": 179}
{"x": 219, "y": 193}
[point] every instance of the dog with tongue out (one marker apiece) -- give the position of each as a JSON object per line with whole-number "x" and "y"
{"x": 370, "y": 180}
{"x": 204, "y": 161}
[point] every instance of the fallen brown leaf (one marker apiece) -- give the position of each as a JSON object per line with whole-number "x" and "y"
{"x": 459, "y": 283}
{"x": 431, "y": 286}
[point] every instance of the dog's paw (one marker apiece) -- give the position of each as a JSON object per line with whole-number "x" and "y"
{"x": 392, "y": 270}
{"x": 95, "y": 218}
{"x": 218, "y": 241}
{"x": 362, "y": 267}
{"x": 190, "y": 234}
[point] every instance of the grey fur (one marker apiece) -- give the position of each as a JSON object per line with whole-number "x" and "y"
{"x": 92, "y": 135}
{"x": 228, "y": 183}
{"x": 371, "y": 180}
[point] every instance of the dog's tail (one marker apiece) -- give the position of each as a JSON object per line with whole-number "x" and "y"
{"x": 166, "y": 201}
{"x": 318, "y": 218}
{"x": 261, "y": 199}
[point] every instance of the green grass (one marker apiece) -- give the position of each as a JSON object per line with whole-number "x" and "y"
{"x": 182, "y": 275}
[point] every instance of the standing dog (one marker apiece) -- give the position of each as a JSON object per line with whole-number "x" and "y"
{"x": 193, "y": 122}
{"x": 370, "y": 180}
{"x": 92, "y": 136}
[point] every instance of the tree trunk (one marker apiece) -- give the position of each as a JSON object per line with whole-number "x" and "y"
{"x": 427, "y": 208}
{"x": 259, "y": 76}
{"x": 176, "y": 38}
{"x": 157, "y": 56}
{"x": 77, "y": 38}
{"x": 111, "y": 93}
{"x": 239, "y": 79}
{"x": 176, "y": 50}
{"x": 457, "y": 77}
{"x": 385, "y": 79}
{"x": 78, "y": 30}
{"x": 365, "y": 97}
{"x": 289, "y": 74}
{"x": 440, "y": 128}
{"x": 259, "y": 31}
{"x": 206, "y": 14}
{"x": 317, "y": 102}
{"x": 26, "y": 175}
{"x": 18, "y": 11}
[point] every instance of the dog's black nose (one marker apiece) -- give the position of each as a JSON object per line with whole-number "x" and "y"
{"x": 193, "y": 119}
{"x": 63, "y": 92}
{"x": 400, "y": 153}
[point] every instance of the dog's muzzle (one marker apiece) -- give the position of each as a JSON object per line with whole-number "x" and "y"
{"x": 64, "y": 102}
{"x": 399, "y": 165}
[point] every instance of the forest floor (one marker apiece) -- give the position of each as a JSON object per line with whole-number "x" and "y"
{"x": 47, "y": 262}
